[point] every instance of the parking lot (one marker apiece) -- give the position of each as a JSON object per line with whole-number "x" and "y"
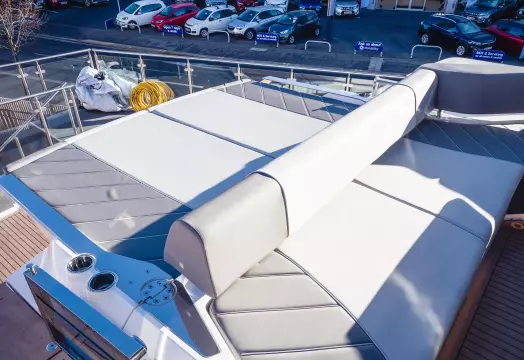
{"x": 397, "y": 30}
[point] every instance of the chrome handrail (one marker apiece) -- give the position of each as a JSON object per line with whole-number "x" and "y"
{"x": 38, "y": 94}
{"x": 87, "y": 51}
{"x": 250, "y": 63}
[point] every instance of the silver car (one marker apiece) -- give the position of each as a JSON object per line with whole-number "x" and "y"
{"x": 347, "y": 8}
{"x": 253, "y": 20}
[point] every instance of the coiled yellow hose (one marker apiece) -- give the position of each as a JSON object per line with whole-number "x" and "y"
{"x": 150, "y": 93}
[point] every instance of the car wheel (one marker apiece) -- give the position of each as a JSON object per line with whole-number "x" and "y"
{"x": 87, "y": 3}
{"x": 204, "y": 33}
{"x": 317, "y": 31}
{"x": 291, "y": 39}
{"x": 250, "y": 34}
{"x": 424, "y": 38}
{"x": 132, "y": 25}
{"x": 460, "y": 50}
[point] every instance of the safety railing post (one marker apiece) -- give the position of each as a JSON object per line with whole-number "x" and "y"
{"x": 19, "y": 146}
{"x": 43, "y": 121}
{"x": 22, "y": 76}
{"x": 75, "y": 108}
{"x": 40, "y": 74}
{"x": 69, "y": 112}
{"x": 348, "y": 82}
{"x": 239, "y": 73}
{"x": 94, "y": 59}
{"x": 142, "y": 67}
{"x": 188, "y": 70}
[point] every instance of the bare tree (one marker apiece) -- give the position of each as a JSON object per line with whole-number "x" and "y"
{"x": 20, "y": 20}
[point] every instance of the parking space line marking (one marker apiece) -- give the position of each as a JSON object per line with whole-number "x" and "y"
{"x": 76, "y": 7}
{"x": 52, "y": 11}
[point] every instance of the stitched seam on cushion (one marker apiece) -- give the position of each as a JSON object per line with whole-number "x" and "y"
{"x": 311, "y": 307}
{"x": 255, "y": 353}
{"x": 336, "y": 300}
{"x": 212, "y": 315}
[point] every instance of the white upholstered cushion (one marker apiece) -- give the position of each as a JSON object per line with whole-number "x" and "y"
{"x": 470, "y": 191}
{"x": 402, "y": 272}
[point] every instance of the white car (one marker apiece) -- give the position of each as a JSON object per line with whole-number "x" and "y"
{"x": 213, "y": 18}
{"x": 283, "y": 4}
{"x": 139, "y": 13}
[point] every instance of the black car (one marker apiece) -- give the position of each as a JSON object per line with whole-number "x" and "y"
{"x": 485, "y": 12}
{"x": 455, "y": 32}
{"x": 296, "y": 24}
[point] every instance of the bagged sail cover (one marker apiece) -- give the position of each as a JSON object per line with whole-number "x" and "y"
{"x": 102, "y": 90}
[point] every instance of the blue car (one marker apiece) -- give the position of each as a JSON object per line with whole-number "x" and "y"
{"x": 315, "y": 5}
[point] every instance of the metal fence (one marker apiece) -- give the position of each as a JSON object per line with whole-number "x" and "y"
{"x": 34, "y": 91}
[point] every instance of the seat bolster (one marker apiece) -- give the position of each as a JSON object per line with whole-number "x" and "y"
{"x": 217, "y": 243}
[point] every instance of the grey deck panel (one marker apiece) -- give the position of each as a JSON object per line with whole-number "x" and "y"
{"x": 117, "y": 212}
{"x": 326, "y": 107}
{"x": 500, "y": 142}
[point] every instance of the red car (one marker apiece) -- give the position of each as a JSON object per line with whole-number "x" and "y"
{"x": 56, "y": 4}
{"x": 176, "y": 14}
{"x": 241, "y": 5}
{"x": 509, "y": 34}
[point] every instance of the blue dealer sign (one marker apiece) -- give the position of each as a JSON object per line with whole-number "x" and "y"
{"x": 172, "y": 29}
{"x": 489, "y": 55}
{"x": 369, "y": 46}
{"x": 266, "y": 37}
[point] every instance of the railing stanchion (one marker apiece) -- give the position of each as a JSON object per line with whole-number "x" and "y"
{"x": 22, "y": 78}
{"x": 142, "y": 67}
{"x": 19, "y": 146}
{"x": 75, "y": 108}
{"x": 239, "y": 73}
{"x": 348, "y": 82}
{"x": 40, "y": 73}
{"x": 69, "y": 112}
{"x": 43, "y": 121}
{"x": 94, "y": 58}
{"x": 189, "y": 80}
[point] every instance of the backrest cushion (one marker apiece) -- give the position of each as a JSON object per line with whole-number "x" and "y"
{"x": 478, "y": 87}
{"x": 221, "y": 240}
{"x": 319, "y": 168}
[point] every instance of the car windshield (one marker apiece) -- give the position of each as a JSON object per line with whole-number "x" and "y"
{"x": 131, "y": 8}
{"x": 202, "y": 14}
{"x": 488, "y": 3}
{"x": 167, "y": 11}
{"x": 287, "y": 20}
{"x": 247, "y": 16}
{"x": 468, "y": 27}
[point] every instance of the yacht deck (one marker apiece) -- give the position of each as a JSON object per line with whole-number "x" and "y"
{"x": 490, "y": 325}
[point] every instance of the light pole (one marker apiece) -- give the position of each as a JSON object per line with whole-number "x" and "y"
{"x": 118, "y": 2}
{"x": 330, "y": 12}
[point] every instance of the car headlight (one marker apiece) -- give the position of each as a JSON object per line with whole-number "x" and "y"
{"x": 124, "y": 18}
{"x": 474, "y": 43}
{"x": 158, "y": 21}
{"x": 319, "y": 7}
{"x": 302, "y": 7}
{"x": 284, "y": 32}
{"x": 483, "y": 16}
{"x": 240, "y": 27}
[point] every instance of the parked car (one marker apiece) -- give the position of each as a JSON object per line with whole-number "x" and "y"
{"x": 254, "y": 20}
{"x": 520, "y": 13}
{"x": 139, "y": 13}
{"x": 215, "y": 2}
{"x": 296, "y": 24}
{"x": 215, "y": 18}
{"x": 176, "y": 14}
{"x": 315, "y": 5}
{"x": 509, "y": 34}
{"x": 88, "y": 3}
{"x": 241, "y": 5}
{"x": 347, "y": 8}
{"x": 283, "y": 4}
{"x": 55, "y": 4}
{"x": 485, "y": 12}
{"x": 455, "y": 32}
